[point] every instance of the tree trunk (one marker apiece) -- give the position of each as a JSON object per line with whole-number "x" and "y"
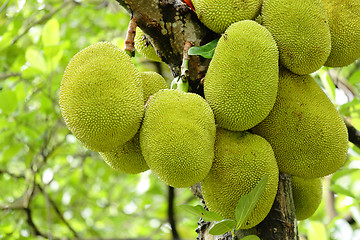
{"x": 169, "y": 24}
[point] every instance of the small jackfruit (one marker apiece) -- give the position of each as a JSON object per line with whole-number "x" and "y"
{"x": 242, "y": 79}
{"x": 344, "y": 22}
{"x": 307, "y": 195}
{"x": 101, "y": 97}
{"x": 144, "y": 47}
{"x": 241, "y": 160}
{"x": 177, "y": 137}
{"x": 301, "y": 31}
{"x": 307, "y": 133}
{"x": 152, "y": 83}
{"x": 127, "y": 157}
{"x": 218, "y": 15}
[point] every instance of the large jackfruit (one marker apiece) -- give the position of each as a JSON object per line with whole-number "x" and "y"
{"x": 144, "y": 47}
{"x": 127, "y": 157}
{"x": 177, "y": 137}
{"x": 152, "y": 83}
{"x": 242, "y": 78}
{"x": 307, "y": 195}
{"x": 218, "y": 15}
{"x": 241, "y": 160}
{"x": 101, "y": 97}
{"x": 307, "y": 134}
{"x": 301, "y": 31}
{"x": 344, "y": 22}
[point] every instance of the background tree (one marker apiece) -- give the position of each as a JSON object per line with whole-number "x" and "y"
{"x": 52, "y": 187}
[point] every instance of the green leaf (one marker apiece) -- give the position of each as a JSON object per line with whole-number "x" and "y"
{"x": 206, "y": 51}
{"x": 316, "y": 231}
{"x": 247, "y": 202}
{"x": 251, "y": 237}
{"x": 199, "y": 211}
{"x": 222, "y": 227}
{"x": 340, "y": 190}
{"x": 328, "y": 84}
{"x": 8, "y": 101}
{"x": 36, "y": 59}
{"x": 355, "y": 77}
{"x": 343, "y": 172}
{"x": 50, "y": 34}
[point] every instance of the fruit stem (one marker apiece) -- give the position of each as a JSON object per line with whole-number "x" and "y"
{"x": 129, "y": 40}
{"x": 182, "y": 82}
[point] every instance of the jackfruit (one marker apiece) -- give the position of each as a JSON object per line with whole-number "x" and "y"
{"x": 218, "y": 15}
{"x": 152, "y": 83}
{"x": 126, "y": 158}
{"x": 301, "y": 31}
{"x": 101, "y": 97}
{"x": 241, "y": 160}
{"x": 307, "y": 195}
{"x": 307, "y": 133}
{"x": 242, "y": 79}
{"x": 144, "y": 47}
{"x": 177, "y": 137}
{"x": 344, "y": 22}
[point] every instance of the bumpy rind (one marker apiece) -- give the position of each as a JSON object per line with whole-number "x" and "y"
{"x": 241, "y": 160}
{"x": 152, "y": 83}
{"x": 301, "y": 31}
{"x": 218, "y": 15}
{"x": 145, "y": 49}
{"x": 242, "y": 79}
{"x": 307, "y": 195}
{"x": 101, "y": 97}
{"x": 307, "y": 133}
{"x": 344, "y": 22}
{"x": 177, "y": 137}
{"x": 126, "y": 158}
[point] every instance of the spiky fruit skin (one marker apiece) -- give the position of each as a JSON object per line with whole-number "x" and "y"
{"x": 177, "y": 137}
{"x": 301, "y": 31}
{"x": 242, "y": 78}
{"x": 344, "y": 22}
{"x": 307, "y": 195}
{"x": 241, "y": 160}
{"x": 101, "y": 97}
{"x": 218, "y": 15}
{"x": 305, "y": 130}
{"x": 126, "y": 158}
{"x": 144, "y": 48}
{"x": 152, "y": 83}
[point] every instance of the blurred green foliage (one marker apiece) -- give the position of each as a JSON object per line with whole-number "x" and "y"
{"x": 52, "y": 187}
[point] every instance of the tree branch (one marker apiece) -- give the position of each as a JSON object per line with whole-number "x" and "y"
{"x": 171, "y": 213}
{"x": 354, "y": 134}
{"x": 168, "y": 24}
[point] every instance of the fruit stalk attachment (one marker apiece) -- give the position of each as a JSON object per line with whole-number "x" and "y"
{"x": 130, "y": 35}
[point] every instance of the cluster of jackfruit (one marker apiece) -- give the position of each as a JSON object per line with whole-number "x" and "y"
{"x": 258, "y": 83}
{"x": 261, "y": 114}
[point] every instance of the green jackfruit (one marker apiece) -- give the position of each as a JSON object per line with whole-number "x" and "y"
{"x": 177, "y": 137}
{"x": 307, "y": 195}
{"x": 241, "y": 82}
{"x": 344, "y": 22}
{"x": 126, "y": 158}
{"x": 219, "y": 15}
{"x": 241, "y": 160}
{"x": 144, "y": 47}
{"x": 101, "y": 97}
{"x": 152, "y": 83}
{"x": 301, "y": 31}
{"x": 307, "y": 134}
